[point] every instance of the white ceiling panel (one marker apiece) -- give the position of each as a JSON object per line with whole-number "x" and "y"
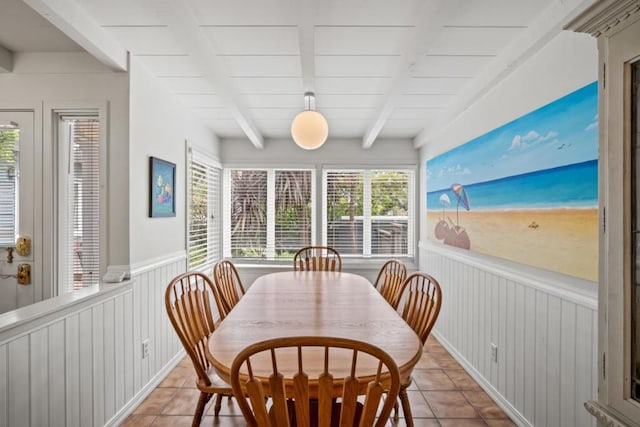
{"x": 484, "y": 13}
{"x": 265, "y": 85}
{"x": 424, "y": 101}
{"x": 354, "y": 85}
{"x": 347, "y": 113}
{"x": 201, "y": 101}
{"x": 361, "y": 40}
{"x": 355, "y": 66}
{"x": 147, "y": 40}
{"x": 186, "y": 85}
{"x": 246, "y": 12}
{"x": 473, "y": 40}
{"x": 433, "y": 85}
{"x": 265, "y": 40}
{"x": 274, "y": 113}
{"x": 419, "y": 114}
{"x": 220, "y": 113}
{"x": 347, "y": 124}
{"x": 124, "y": 12}
{"x": 274, "y": 100}
{"x": 262, "y": 66}
{"x": 450, "y": 65}
{"x": 347, "y": 101}
{"x": 175, "y": 65}
{"x": 367, "y": 12}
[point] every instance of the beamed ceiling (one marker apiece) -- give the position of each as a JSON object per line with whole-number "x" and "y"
{"x": 379, "y": 68}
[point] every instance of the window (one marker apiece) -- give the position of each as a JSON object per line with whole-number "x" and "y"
{"x": 9, "y": 148}
{"x": 269, "y": 213}
{"x": 369, "y": 212}
{"x": 79, "y": 201}
{"x": 203, "y": 239}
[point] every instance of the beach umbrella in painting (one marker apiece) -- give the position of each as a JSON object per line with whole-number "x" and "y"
{"x": 442, "y": 228}
{"x": 462, "y": 197}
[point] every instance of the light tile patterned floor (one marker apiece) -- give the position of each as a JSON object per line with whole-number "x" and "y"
{"x": 442, "y": 394}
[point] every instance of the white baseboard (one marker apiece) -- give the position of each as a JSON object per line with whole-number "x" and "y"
{"x": 145, "y": 391}
{"x": 503, "y": 403}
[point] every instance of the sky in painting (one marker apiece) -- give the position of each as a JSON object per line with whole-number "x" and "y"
{"x": 560, "y": 133}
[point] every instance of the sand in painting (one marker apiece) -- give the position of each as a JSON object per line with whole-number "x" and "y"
{"x": 565, "y": 240}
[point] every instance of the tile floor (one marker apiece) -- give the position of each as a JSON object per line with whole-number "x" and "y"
{"x": 442, "y": 394}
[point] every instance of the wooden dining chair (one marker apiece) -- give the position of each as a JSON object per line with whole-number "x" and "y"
{"x": 298, "y": 375}
{"x": 188, "y": 300}
{"x": 390, "y": 281}
{"x": 317, "y": 258}
{"x": 420, "y": 311}
{"x": 228, "y": 285}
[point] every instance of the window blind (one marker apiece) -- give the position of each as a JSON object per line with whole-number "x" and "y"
{"x": 369, "y": 212}
{"x": 390, "y": 213}
{"x": 83, "y": 205}
{"x": 343, "y": 198}
{"x": 292, "y": 211}
{"x": 204, "y": 218}
{"x": 9, "y": 143}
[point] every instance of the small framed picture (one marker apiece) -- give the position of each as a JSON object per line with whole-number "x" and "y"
{"x": 162, "y": 196}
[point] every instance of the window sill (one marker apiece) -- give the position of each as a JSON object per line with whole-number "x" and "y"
{"x": 348, "y": 264}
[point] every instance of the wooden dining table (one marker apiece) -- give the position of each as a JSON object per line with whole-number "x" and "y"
{"x": 312, "y": 303}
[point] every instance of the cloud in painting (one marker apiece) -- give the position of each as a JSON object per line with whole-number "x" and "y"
{"x": 455, "y": 170}
{"x": 530, "y": 138}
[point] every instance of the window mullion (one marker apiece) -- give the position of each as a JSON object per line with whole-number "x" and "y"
{"x": 271, "y": 214}
{"x": 366, "y": 213}
{"x": 226, "y": 217}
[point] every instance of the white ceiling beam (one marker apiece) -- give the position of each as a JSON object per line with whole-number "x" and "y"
{"x": 181, "y": 19}
{"x": 6, "y": 60}
{"x": 306, "y": 39}
{"x": 430, "y": 17}
{"x": 79, "y": 26}
{"x": 546, "y": 26}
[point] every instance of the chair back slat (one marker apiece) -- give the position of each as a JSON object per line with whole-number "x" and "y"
{"x": 423, "y": 303}
{"x": 390, "y": 282}
{"x": 280, "y": 411}
{"x": 325, "y": 398}
{"x": 349, "y": 401}
{"x": 301, "y": 391}
{"x": 300, "y": 400}
{"x": 229, "y": 286}
{"x": 317, "y": 258}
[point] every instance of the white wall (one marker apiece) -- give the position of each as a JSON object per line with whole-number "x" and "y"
{"x": 545, "y": 324}
{"x": 159, "y": 127}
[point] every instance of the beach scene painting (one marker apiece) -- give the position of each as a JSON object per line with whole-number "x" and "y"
{"x": 526, "y": 191}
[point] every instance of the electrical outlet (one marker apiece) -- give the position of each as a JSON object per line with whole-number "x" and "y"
{"x": 494, "y": 353}
{"x": 145, "y": 348}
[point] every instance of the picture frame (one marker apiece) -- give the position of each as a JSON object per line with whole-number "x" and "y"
{"x": 162, "y": 196}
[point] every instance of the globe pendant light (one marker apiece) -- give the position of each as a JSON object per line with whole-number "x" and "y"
{"x": 309, "y": 128}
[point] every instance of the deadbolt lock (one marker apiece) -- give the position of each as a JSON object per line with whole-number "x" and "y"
{"x": 24, "y": 274}
{"x": 23, "y": 246}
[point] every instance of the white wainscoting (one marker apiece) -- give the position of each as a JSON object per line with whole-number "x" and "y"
{"x": 79, "y": 362}
{"x": 546, "y": 334}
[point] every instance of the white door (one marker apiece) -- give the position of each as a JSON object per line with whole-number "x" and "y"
{"x": 23, "y": 175}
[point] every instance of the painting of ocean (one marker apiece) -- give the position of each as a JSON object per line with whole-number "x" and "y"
{"x": 570, "y": 186}
{"x": 526, "y": 191}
